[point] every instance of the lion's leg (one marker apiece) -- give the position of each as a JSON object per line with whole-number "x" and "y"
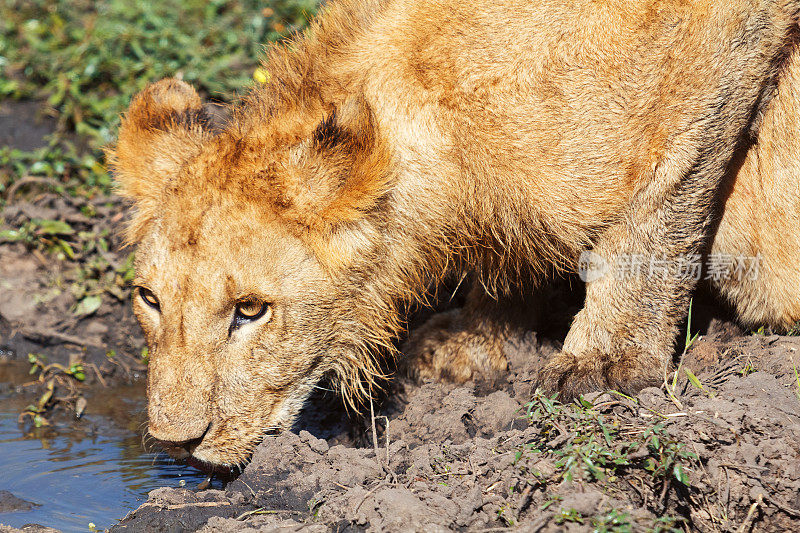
{"x": 624, "y": 337}
{"x": 468, "y": 342}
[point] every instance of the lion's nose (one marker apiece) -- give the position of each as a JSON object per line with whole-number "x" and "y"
{"x": 183, "y": 434}
{"x": 179, "y": 448}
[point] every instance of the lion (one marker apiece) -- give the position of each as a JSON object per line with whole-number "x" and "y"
{"x": 397, "y": 142}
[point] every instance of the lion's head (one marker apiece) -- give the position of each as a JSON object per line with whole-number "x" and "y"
{"x": 254, "y": 244}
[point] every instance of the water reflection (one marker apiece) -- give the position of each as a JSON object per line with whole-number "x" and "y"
{"x": 93, "y": 470}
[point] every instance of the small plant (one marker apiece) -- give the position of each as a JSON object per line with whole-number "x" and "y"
{"x": 568, "y": 515}
{"x": 87, "y": 60}
{"x": 586, "y": 444}
{"x": 748, "y": 368}
{"x": 612, "y": 521}
{"x": 695, "y": 381}
{"x": 666, "y": 524}
{"x": 145, "y": 356}
{"x": 503, "y": 516}
{"x": 36, "y": 412}
{"x": 594, "y": 451}
{"x": 689, "y": 337}
{"x": 74, "y": 370}
{"x": 796, "y": 378}
{"x": 314, "y": 505}
{"x": 667, "y": 456}
{"x": 54, "y": 375}
{"x": 670, "y": 388}
{"x": 46, "y": 235}
{"x": 553, "y": 500}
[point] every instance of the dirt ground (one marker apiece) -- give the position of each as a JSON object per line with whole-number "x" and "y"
{"x": 717, "y": 450}
{"x": 466, "y": 457}
{"x": 37, "y": 303}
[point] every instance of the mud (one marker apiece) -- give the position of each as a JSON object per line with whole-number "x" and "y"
{"x": 24, "y": 125}
{"x": 28, "y": 528}
{"x": 10, "y": 503}
{"x": 455, "y": 457}
{"x": 37, "y": 298}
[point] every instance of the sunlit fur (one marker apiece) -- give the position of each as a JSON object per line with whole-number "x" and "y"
{"x": 398, "y": 141}
{"x": 762, "y": 213}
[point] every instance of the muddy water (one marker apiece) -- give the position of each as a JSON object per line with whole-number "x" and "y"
{"x": 92, "y": 470}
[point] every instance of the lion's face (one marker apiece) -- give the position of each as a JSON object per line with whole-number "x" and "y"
{"x": 252, "y": 247}
{"x": 233, "y": 314}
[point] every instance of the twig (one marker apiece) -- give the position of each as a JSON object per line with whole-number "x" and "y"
{"x": 662, "y": 498}
{"x": 262, "y": 510}
{"x": 40, "y": 257}
{"x": 97, "y": 373}
{"x": 524, "y": 499}
{"x": 25, "y": 180}
{"x": 782, "y": 506}
{"x": 249, "y": 487}
{"x": 386, "y": 434}
{"x": 367, "y": 495}
{"x": 750, "y": 513}
{"x": 40, "y": 334}
{"x": 636, "y": 490}
{"x": 540, "y": 523}
{"x": 491, "y": 487}
{"x": 636, "y": 402}
{"x": 185, "y": 505}
{"x": 727, "y": 488}
{"x": 374, "y": 433}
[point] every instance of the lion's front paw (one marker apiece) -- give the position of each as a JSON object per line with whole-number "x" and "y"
{"x": 572, "y": 375}
{"x": 444, "y": 348}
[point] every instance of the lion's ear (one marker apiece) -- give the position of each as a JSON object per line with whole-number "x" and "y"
{"x": 343, "y": 169}
{"x": 164, "y": 127}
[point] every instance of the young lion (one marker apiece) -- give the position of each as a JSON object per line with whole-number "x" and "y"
{"x": 401, "y": 140}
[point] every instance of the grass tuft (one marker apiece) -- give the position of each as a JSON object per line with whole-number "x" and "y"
{"x": 84, "y": 60}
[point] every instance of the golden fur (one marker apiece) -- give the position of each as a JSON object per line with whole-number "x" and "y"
{"x": 401, "y": 140}
{"x": 761, "y": 215}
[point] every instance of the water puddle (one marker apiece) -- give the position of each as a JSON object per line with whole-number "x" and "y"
{"x": 93, "y": 470}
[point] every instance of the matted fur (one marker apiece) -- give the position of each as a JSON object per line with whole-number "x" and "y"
{"x": 399, "y": 141}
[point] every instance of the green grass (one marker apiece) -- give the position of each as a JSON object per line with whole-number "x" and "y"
{"x": 596, "y": 449}
{"x": 85, "y": 59}
{"x": 586, "y": 445}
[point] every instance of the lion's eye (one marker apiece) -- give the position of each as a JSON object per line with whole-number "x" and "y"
{"x": 149, "y": 298}
{"x": 250, "y": 311}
